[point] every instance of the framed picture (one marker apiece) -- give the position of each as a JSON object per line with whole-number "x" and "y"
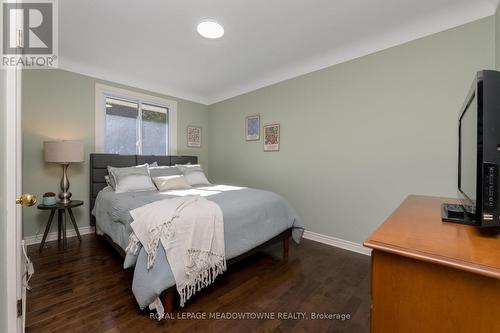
{"x": 194, "y": 136}
{"x": 252, "y": 128}
{"x": 272, "y": 137}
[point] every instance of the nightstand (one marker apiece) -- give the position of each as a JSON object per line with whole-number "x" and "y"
{"x": 61, "y": 209}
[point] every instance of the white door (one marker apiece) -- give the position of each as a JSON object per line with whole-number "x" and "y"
{"x": 16, "y": 267}
{"x": 8, "y": 211}
{"x": 13, "y": 221}
{"x": 13, "y": 256}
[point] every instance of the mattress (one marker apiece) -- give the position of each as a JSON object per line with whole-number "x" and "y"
{"x": 251, "y": 217}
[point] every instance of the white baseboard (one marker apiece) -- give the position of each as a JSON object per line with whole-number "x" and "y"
{"x": 324, "y": 239}
{"x": 30, "y": 240}
{"x": 337, "y": 242}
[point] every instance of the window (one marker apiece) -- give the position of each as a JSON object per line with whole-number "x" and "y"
{"x": 132, "y": 123}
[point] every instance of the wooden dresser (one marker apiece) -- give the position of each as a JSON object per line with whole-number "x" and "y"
{"x": 433, "y": 276}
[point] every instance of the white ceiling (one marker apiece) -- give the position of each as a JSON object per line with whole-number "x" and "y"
{"x": 154, "y": 44}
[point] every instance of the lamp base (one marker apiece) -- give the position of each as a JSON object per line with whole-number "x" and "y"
{"x": 65, "y": 195}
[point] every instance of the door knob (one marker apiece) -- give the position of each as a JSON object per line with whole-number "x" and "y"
{"x": 26, "y": 200}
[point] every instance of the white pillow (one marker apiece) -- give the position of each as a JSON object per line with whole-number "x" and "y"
{"x": 162, "y": 171}
{"x": 175, "y": 182}
{"x": 194, "y": 174}
{"x": 135, "y": 183}
{"x": 132, "y": 179}
{"x": 111, "y": 179}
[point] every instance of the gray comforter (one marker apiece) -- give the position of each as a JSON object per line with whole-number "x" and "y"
{"x": 251, "y": 217}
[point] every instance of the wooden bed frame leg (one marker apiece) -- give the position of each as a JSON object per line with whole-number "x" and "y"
{"x": 168, "y": 301}
{"x": 286, "y": 244}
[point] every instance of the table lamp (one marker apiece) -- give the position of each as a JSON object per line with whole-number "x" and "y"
{"x": 64, "y": 153}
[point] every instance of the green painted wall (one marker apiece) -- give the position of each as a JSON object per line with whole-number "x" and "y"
{"x": 60, "y": 105}
{"x": 358, "y": 137}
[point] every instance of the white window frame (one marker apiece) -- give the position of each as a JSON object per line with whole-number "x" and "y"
{"x": 102, "y": 91}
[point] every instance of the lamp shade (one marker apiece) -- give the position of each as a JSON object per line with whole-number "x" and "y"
{"x": 63, "y": 151}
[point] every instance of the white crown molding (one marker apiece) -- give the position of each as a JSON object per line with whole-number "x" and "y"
{"x": 51, "y": 236}
{"x": 495, "y": 3}
{"x": 402, "y": 35}
{"x": 128, "y": 80}
{"x": 337, "y": 242}
{"x": 425, "y": 27}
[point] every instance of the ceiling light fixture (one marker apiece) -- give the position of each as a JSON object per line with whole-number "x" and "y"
{"x": 210, "y": 29}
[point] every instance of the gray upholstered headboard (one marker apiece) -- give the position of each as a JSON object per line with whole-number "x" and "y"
{"x": 100, "y": 162}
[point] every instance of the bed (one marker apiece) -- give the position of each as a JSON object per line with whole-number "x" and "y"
{"x": 253, "y": 219}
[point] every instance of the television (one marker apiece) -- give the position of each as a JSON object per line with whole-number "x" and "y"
{"x": 478, "y": 155}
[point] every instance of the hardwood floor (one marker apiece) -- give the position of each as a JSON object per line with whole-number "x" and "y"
{"x": 85, "y": 289}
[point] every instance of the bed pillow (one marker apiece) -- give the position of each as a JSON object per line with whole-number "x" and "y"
{"x": 110, "y": 180}
{"x": 131, "y": 179}
{"x": 194, "y": 174}
{"x": 163, "y": 171}
{"x": 174, "y": 182}
{"x": 111, "y": 184}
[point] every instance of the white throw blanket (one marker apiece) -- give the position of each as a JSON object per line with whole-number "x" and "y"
{"x": 191, "y": 230}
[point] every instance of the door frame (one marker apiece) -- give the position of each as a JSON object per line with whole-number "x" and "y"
{"x": 14, "y": 229}
{"x": 13, "y": 151}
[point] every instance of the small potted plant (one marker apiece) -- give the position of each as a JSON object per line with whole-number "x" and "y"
{"x": 49, "y": 199}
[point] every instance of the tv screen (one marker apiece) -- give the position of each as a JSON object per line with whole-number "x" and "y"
{"x": 478, "y": 156}
{"x": 468, "y": 153}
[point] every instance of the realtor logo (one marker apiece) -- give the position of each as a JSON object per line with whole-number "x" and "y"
{"x": 29, "y": 36}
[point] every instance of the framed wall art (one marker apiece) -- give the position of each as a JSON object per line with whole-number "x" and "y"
{"x": 252, "y": 128}
{"x": 194, "y": 136}
{"x": 272, "y": 137}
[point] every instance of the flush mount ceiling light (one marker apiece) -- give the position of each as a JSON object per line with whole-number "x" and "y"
{"x": 210, "y": 29}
